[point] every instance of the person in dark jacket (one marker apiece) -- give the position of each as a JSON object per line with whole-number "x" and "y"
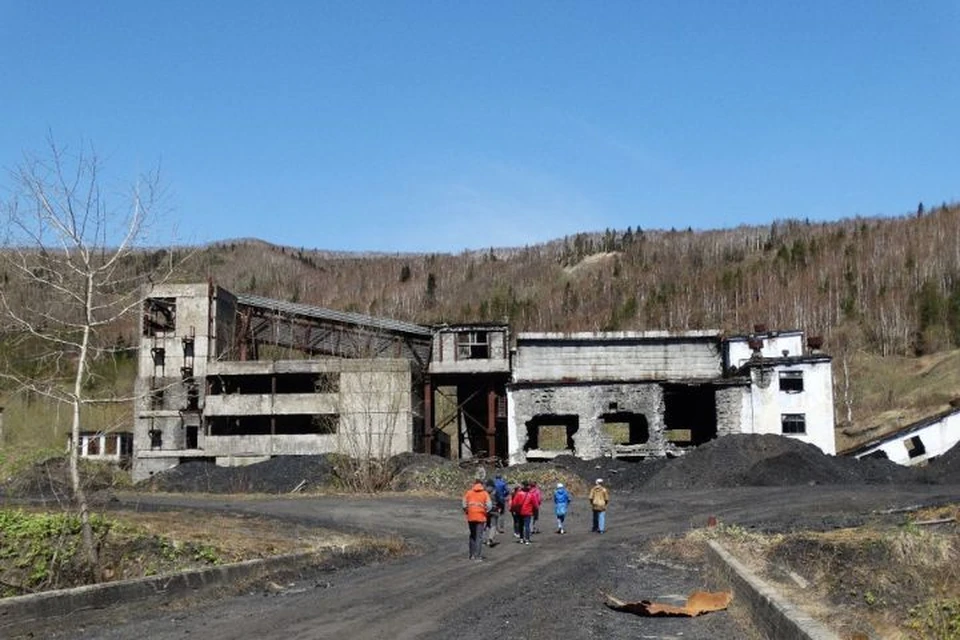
{"x": 476, "y": 505}
{"x": 493, "y": 516}
{"x": 501, "y": 496}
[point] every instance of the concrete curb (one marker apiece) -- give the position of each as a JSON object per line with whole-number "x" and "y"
{"x": 22, "y": 614}
{"x": 773, "y": 616}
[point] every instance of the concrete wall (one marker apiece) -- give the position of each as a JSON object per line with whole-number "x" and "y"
{"x": 590, "y": 402}
{"x": 937, "y": 438}
{"x": 774, "y": 344}
{"x": 768, "y": 403}
{"x": 629, "y": 356}
{"x": 731, "y": 402}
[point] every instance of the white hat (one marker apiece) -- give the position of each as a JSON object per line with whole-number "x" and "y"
{"x": 559, "y": 485}
{"x": 599, "y": 480}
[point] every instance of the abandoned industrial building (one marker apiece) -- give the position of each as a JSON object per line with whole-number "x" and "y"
{"x": 238, "y": 379}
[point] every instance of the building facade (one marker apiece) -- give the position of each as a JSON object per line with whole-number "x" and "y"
{"x": 237, "y": 379}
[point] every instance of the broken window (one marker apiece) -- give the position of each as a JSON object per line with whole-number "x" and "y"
{"x": 690, "y": 414}
{"x": 93, "y": 446}
{"x": 791, "y": 381}
{"x": 156, "y": 399}
{"x": 159, "y": 316}
{"x": 156, "y": 438}
{"x": 110, "y": 447}
{"x": 265, "y": 384}
{"x": 625, "y": 428}
{"x": 192, "y": 437}
{"x": 552, "y": 432}
{"x": 281, "y": 425}
{"x": 473, "y": 345}
{"x": 793, "y": 423}
{"x": 915, "y": 447}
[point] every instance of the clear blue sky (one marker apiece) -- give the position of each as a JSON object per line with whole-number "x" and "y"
{"x": 439, "y": 126}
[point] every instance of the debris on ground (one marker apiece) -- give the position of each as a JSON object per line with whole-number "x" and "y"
{"x": 698, "y": 603}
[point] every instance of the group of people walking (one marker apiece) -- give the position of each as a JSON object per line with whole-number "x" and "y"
{"x": 486, "y": 505}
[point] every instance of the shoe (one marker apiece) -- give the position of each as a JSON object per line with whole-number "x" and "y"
{"x": 526, "y": 542}
{"x": 563, "y": 530}
{"x": 516, "y": 535}
{"x": 520, "y": 541}
{"x": 559, "y": 531}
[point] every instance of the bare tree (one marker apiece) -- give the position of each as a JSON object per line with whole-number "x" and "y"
{"x": 75, "y": 270}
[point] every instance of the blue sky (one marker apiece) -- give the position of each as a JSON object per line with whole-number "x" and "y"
{"x": 440, "y": 126}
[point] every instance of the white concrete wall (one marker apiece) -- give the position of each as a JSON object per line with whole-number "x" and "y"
{"x": 937, "y": 439}
{"x": 768, "y": 403}
{"x": 774, "y": 344}
{"x": 551, "y": 357}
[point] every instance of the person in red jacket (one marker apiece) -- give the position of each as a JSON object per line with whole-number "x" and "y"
{"x": 476, "y": 504}
{"x": 537, "y": 498}
{"x": 522, "y": 506}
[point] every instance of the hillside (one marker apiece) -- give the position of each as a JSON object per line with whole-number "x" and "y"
{"x": 883, "y": 292}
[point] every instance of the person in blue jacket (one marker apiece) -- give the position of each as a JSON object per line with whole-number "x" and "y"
{"x": 501, "y": 493}
{"x": 561, "y": 501}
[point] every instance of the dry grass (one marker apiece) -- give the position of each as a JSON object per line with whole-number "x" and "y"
{"x": 892, "y": 392}
{"x": 888, "y": 582}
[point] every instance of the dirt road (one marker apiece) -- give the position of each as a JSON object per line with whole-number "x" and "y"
{"x": 548, "y": 590}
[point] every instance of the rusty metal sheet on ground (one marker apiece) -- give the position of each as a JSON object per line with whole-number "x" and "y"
{"x": 699, "y": 602}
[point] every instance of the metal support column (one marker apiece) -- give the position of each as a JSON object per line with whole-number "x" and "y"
{"x": 427, "y": 416}
{"x": 491, "y": 421}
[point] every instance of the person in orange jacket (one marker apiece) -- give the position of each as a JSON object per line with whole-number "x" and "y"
{"x": 476, "y": 504}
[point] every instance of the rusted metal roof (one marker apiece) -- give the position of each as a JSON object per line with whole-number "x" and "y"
{"x": 342, "y": 317}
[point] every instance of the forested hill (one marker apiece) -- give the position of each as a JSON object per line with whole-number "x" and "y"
{"x": 890, "y": 286}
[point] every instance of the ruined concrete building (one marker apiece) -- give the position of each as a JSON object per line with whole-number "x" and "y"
{"x": 237, "y": 379}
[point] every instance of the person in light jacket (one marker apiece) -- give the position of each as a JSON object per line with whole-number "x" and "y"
{"x": 561, "y": 502}
{"x": 599, "y": 499}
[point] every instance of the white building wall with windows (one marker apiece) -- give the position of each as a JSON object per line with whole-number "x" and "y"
{"x": 777, "y": 406}
{"x": 918, "y": 445}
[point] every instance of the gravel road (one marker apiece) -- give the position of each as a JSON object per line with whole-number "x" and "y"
{"x": 551, "y": 589}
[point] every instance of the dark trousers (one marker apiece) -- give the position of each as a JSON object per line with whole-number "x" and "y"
{"x": 476, "y": 538}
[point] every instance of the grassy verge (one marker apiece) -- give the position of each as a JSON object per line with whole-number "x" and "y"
{"x": 899, "y": 582}
{"x": 40, "y": 550}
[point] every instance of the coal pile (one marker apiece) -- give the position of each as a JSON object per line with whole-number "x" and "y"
{"x": 946, "y": 468}
{"x": 618, "y": 474}
{"x": 281, "y": 474}
{"x": 769, "y": 460}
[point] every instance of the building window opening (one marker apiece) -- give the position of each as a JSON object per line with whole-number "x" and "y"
{"x": 156, "y": 399}
{"x": 690, "y": 414}
{"x": 281, "y": 425}
{"x": 192, "y": 437}
{"x": 110, "y": 446}
{"x": 791, "y": 381}
{"x": 793, "y": 424}
{"x": 473, "y": 345}
{"x": 156, "y": 438}
{"x": 159, "y": 316}
{"x": 625, "y": 428}
{"x": 551, "y": 432}
{"x": 915, "y": 447}
{"x": 93, "y": 446}
{"x": 879, "y": 454}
